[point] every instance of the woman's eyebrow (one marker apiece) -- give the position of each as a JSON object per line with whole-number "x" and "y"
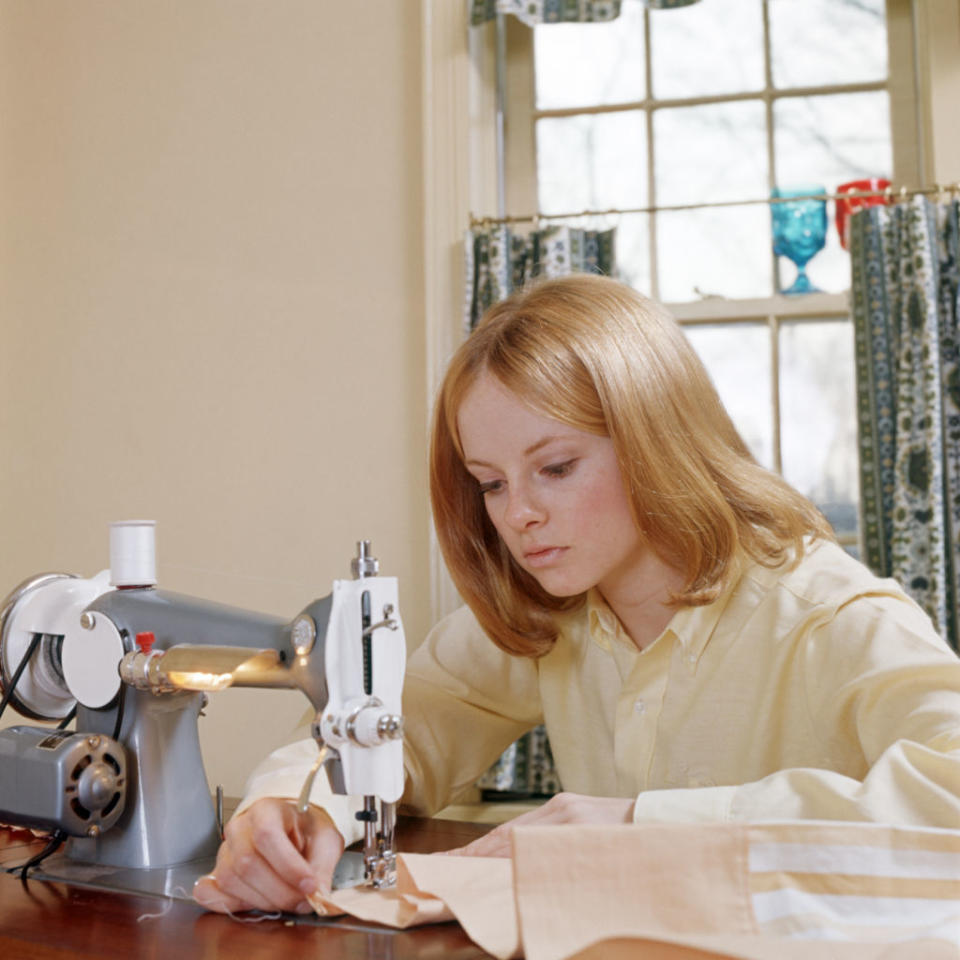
{"x": 533, "y": 448}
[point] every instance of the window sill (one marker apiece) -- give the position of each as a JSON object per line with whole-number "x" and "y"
{"x": 715, "y": 309}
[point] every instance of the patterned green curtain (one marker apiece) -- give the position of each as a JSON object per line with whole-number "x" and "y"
{"x": 532, "y": 12}
{"x": 905, "y": 308}
{"x": 497, "y": 263}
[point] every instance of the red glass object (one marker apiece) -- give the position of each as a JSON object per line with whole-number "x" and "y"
{"x": 847, "y": 205}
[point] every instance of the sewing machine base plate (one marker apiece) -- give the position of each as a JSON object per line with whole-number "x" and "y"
{"x": 174, "y": 882}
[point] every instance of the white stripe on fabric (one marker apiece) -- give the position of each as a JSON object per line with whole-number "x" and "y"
{"x": 895, "y": 911}
{"x": 853, "y": 860}
{"x": 815, "y": 928}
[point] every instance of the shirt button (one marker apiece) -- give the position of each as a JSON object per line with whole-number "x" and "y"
{"x": 639, "y": 706}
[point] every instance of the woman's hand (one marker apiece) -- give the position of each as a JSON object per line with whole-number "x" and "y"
{"x": 563, "y": 808}
{"x": 272, "y": 858}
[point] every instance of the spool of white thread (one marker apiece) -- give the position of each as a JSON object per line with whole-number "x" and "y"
{"x": 133, "y": 553}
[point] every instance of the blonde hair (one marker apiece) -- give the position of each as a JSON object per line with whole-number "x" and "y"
{"x": 594, "y": 354}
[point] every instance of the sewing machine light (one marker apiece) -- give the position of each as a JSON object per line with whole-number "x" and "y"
{"x": 202, "y": 669}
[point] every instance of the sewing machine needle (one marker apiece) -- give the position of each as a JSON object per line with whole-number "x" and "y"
{"x": 303, "y": 802}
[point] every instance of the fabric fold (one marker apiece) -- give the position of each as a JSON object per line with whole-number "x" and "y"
{"x": 786, "y": 890}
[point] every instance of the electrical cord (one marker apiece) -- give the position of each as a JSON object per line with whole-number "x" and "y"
{"x": 56, "y": 841}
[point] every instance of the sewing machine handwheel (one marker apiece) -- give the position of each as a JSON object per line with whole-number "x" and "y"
{"x": 41, "y": 692}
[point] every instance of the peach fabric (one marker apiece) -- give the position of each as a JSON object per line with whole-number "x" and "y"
{"x": 679, "y": 892}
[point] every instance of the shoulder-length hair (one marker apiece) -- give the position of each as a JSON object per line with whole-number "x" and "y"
{"x": 594, "y": 354}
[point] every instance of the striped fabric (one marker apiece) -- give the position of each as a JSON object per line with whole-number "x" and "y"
{"x": 810, "y": 890}
{"x": 854, "y": 882}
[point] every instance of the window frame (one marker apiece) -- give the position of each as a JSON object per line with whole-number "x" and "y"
{"x": 522, "y": 114}
{"x": 459, "y": 158}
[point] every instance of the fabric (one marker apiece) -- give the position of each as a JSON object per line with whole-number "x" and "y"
{"x": 532, "y": 12}
{"x": 771, "y": 891}
{"x": 820, "y": 692}
{"x": 906, "y": 276}
{"x": 499, "y": 261}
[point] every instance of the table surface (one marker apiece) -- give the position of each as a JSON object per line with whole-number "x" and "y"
{"x": 57, "y": 921}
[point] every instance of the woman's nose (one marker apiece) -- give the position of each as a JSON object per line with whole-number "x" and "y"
{"x": 522, "y": 509}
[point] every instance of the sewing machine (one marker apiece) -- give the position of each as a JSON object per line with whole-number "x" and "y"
{"x": 128, "y": 788}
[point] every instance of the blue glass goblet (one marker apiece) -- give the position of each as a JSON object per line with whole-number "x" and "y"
{"x": 799, "y": 230}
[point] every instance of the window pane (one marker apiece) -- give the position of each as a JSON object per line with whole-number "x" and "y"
{"x": 829, "y": 140}
{"x": 713, "y": 152}
{"x": 819, "y": 42}
{"x": 707, "y": 48}
{"x": 737, "y": 357}
{"x": 818, "y": 431}
{"x": 587, "y": 64}
{"x": 832, "y": 139}
{"x": 592, "y": 162}
{"x": 723, "y": 251}
{"x": 632, "y": 251}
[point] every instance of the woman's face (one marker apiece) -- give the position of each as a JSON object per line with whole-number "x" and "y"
{"x": 554, "y": 493}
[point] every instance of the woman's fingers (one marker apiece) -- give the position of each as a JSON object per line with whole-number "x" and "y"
{"x": 272, "y": 858}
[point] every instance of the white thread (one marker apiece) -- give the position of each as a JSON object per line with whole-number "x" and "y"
{"x": 262, "y": 917}
{"x": 133, "y": 553}
{"x": 153, "y": 916}
{"x": 168, "y": 906}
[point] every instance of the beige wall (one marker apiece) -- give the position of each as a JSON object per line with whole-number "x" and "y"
{"x": 211, "y": 303}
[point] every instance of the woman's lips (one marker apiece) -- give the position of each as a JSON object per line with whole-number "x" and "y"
{"x": 543, "y": 556}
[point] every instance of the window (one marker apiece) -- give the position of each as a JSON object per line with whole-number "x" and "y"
{"x": 674, "y": 113}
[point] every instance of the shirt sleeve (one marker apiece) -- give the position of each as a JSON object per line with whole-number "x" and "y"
{"x": 464, "y": 702}
{"x": 878, "y": 675}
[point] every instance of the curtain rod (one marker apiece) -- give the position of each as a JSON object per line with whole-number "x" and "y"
{"x": 891, "y": 195}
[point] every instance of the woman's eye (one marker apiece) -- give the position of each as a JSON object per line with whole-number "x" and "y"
{"x": 491, "y": 486}
{"x": 559, "y": 469}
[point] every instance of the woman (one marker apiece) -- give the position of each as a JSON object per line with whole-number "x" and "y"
{"x": 680, "y": 618}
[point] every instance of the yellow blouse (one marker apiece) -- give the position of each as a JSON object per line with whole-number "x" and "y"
{"x": 820, "y": 692}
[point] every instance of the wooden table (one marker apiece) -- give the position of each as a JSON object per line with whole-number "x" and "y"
{"x": 57, "y": 921}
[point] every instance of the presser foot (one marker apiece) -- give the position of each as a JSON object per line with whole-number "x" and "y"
{"x": 381, "y": 871}
{"x": 379, "y": 858}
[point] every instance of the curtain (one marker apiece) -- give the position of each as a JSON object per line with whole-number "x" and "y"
{"x": 498, "y": 262}
{"x": 905, "y": 308}
{"x": 532, "y": 12}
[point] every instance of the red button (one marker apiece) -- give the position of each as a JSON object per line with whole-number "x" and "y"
{"x": 145, "y": 641}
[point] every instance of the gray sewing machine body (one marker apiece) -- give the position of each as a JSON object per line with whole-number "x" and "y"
{"x": 129, "y": 787}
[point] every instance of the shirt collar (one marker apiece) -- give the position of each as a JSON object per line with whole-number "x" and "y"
{"x": 692, "y": 626}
